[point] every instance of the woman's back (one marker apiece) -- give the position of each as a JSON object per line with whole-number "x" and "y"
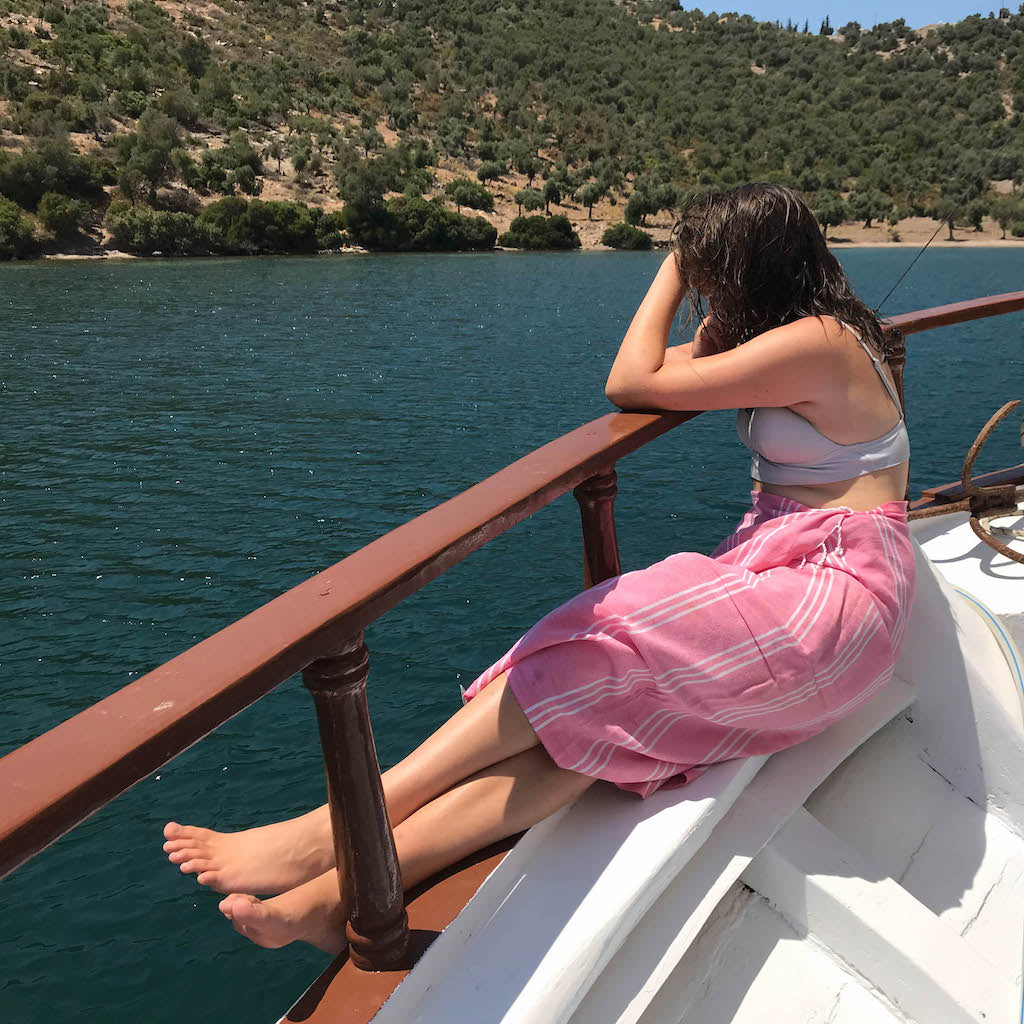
{"x": 841, "y": 449}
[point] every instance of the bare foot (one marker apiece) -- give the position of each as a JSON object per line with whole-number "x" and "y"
{"x": 309, "y": 913}
{"x": 270, "y": 859}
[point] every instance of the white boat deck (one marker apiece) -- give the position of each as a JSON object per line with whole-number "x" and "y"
{"x": 874, "y": 873}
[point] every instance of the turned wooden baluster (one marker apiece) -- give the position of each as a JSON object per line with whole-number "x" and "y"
{"x": 896, "y": 360}
{"x": 596, "y": 496}
{"x": 377, "y": 929}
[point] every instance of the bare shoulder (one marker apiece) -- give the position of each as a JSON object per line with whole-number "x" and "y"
{"x": 821, "y": 336}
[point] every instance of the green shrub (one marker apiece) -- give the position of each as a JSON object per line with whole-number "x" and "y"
{"x": 237, "y": 163}
{"x": 50, "y": 165}
{"x": 143, "y": 230}
{"x": 61, "y": 214}
{"x": 185, "y": 168}
{"x": 625, "y": 236}
{"x": 408, "y": 224}
{"x": 130, "y": 102}
{"x": 232, "y": 225}
{"x": 16, "y": 238}
{"x": 179, "y": 104}
{"x": 1017, "y": 230}
{"x": 540, "y": 233}
{"x": 239, "y": 225}
{"x": 330, "y": 228}
{"x": 246, "y": 181}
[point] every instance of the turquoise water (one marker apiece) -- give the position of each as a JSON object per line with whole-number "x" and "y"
{"x": 184, "y": 440}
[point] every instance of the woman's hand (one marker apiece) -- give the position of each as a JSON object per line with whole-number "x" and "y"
{"x": 710, "y": 338}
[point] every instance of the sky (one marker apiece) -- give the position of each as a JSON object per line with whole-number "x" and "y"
{"x": 916, "y": 13}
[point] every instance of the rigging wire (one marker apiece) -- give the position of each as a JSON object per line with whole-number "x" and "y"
{"x": 942, "y": 224}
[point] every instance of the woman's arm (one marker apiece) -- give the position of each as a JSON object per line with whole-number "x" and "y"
{"x": 642, "y": 351}
{"x": 798, "y": 362}
{"x": 655, "y": 318}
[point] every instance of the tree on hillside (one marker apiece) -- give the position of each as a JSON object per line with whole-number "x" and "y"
{"x": 588, "y": 195}
{"x": 490, "y": 170}
{"x": 975, "y": 212}
{"x": 665, "y": 197}
{"x": 276, "y": 152}
{"x": 146, "y": 153}
{"x": 868, "y": 205}
{"x": 195, "y": 55}
{"x": 63, "y": 215}
{"x": 829, "y": 210}
{"x": 239, "y": 153}
{"x": 50, "y": 164}
{"x": 370, "y": 139}
{"x": 16, "y": 238}
{"x": 1007, "y": 210}
{"x": 529, "y": 199}
{"x": 463, "y": 192}
{"x": 552, "y": 194}
{"x": 944, "y": 210}
{"x": 640, "y": 204}
{"x": 911, "y": 111}
{"x": 526, "y": 162}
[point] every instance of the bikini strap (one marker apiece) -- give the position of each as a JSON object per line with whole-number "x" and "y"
{"x": 878, "y": 366}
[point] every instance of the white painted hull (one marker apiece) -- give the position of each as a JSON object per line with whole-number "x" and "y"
{"x": 874, "y": 873}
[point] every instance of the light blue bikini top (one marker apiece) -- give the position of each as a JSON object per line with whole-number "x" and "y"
{"x": 788, "y": 449}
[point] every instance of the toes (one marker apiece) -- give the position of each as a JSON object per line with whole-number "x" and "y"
{"x": 189, "y": 853}
{"x": 236, "y": 903}
{"x": 191, "y": 866}
{"x": 212, "y": 880}
{"x": 183, "y": 846}
{"x": 172, "y": 830}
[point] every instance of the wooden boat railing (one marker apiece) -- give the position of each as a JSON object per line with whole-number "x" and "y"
{"x": 57, "y": 780}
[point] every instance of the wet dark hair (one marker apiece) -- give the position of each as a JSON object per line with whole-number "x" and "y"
{"x": 758, "y": 252}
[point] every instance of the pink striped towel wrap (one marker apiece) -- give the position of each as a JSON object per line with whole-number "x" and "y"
{"x": 794, "y": 620}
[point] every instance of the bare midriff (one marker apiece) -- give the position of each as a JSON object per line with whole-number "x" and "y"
{"x": 861, "y": 493}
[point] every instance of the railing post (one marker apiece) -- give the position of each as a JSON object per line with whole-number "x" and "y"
{"x": 896, "y": 359}
{"x": 596, "y": 496}
{"x": 377, "y": 929}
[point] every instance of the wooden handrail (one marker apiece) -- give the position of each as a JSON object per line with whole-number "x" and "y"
{"x": 956, "y": 313}
{"x": 58, "y": 779}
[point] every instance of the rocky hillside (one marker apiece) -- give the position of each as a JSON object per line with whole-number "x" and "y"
{"x": 618, "y": 110}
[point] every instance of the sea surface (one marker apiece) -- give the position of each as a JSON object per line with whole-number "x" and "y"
{"x": 182, "y": 441}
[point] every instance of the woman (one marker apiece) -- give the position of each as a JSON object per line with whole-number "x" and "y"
{"x": 795, "y": 620}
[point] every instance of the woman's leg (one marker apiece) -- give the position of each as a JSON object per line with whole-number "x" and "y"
{"x": 499, "y": 801}
{"x": 276, "y": 858}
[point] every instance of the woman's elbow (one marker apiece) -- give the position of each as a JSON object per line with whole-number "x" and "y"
{"x": 621, "y": 396}
{"x": 614, "y": 391}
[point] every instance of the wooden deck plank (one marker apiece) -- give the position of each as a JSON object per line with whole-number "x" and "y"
{"x": 343, "y": 994}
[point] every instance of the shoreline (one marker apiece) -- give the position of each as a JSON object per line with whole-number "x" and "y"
{"x": 115, "y": 254}
{"x": 957, "y": 243}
